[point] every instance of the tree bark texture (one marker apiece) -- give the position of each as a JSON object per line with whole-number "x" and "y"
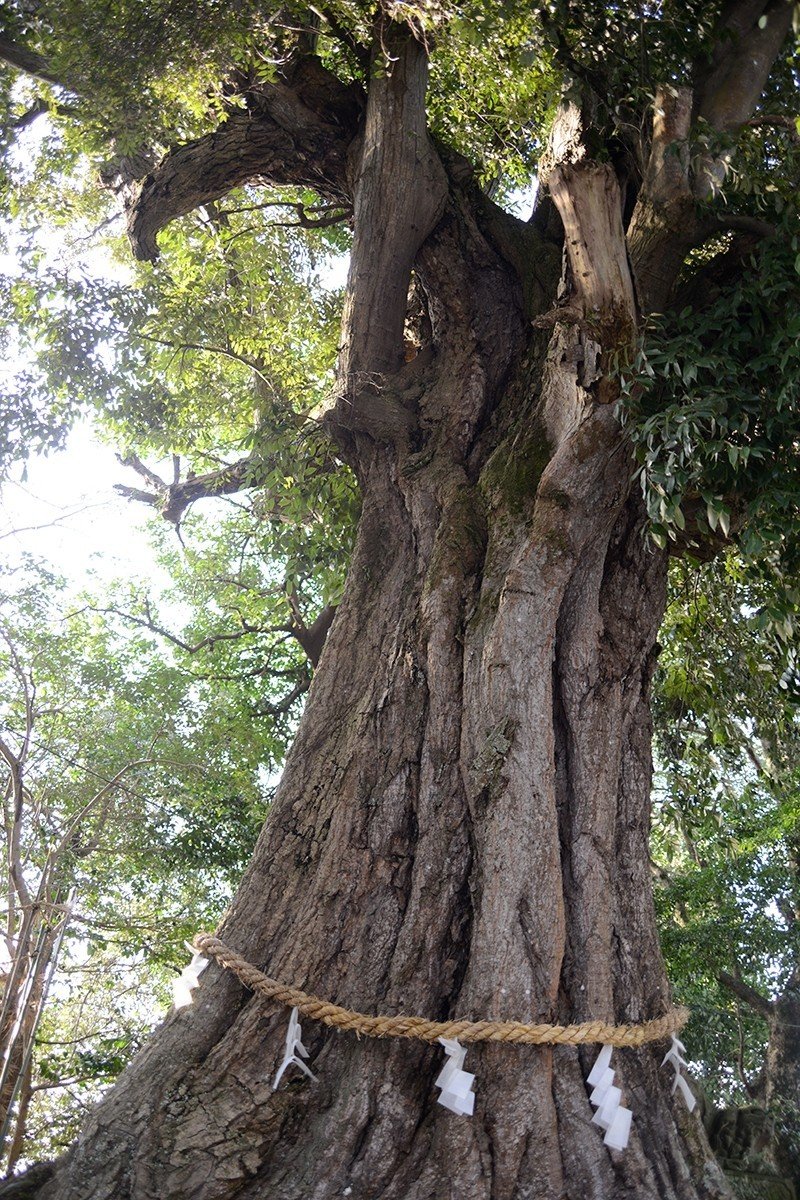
{"x": 462, "y": 824}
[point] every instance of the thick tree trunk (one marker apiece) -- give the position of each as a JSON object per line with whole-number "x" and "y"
{"x": 462, "y": 825}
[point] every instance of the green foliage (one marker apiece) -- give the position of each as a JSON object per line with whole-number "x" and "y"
{"x": 726, "y": 829}
{"x": 145, "y": 787}
{"x": 712, "y": 402}
{"x": 225, "y": 351}
{"x": 494, "y": 58}
{"x": 625, "y": 51}
{"x": 144, "y": 75}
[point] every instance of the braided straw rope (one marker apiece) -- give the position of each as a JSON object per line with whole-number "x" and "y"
{"x": 430, "y": 1031}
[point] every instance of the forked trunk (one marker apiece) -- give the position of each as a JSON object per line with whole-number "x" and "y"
{"x": 462, "y": 825}
{"x": 461, "y": 829}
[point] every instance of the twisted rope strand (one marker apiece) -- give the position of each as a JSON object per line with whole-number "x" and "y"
{"x": 430, "y": 1031}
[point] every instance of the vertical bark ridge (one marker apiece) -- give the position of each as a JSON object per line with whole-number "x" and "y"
{"x": 412, "y": 862}
{"x": 461, "y": 825}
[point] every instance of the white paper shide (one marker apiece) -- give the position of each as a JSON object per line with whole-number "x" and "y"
{"x": 189, "y": 978}
{"x": 674, "y": 1057}
{"x": 455, "y": 1082}
{"x": 294, "y": 1051}
{"x": 612, "y": 1116}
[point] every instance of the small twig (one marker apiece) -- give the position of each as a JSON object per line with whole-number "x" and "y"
{"x": 281, "y": 707}
{"x": 189, "y": 648}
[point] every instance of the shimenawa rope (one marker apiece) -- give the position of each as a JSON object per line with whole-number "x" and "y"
{"x": 430, "y": 1031}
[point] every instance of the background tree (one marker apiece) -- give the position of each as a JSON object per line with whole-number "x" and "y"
{"x": 461, "y": 827}
{"x": 725, "y": 844}
{"x": 129, "y": 805}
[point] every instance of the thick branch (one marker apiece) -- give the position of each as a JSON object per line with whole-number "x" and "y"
{"x": 294, "y": 135}
{"x": 400, "y": 192}
{"x": 206, "y": 643}
{"x": 749, "y": 37}
{"x": 662, "y": 227}
{"x": 133, "y": 460}
{"x": 665, "y": 226}
{"x": 23, "y": 59}
{"x": 749, "y": 995}
{"x": 311, "y": 637}
{"x": 174, "y": 498}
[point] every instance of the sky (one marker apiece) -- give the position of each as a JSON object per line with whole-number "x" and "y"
{"x": 67, "y": 512}
{"x": 63, "y": 507}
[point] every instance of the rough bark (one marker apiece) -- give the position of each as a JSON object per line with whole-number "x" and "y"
{"x": 782, "y": 1078}
{"x": 296, "y": 131}
{"x": 462, "y": 824}
{"x": 21, "y": 58}
{"x": 779, "y": 1083}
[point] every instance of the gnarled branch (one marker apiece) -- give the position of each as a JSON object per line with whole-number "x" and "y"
{"x": 173, "y": 499}
{"x": 297, "y": 133}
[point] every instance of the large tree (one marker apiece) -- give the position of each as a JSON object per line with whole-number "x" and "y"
{"x": 462, "y": 823}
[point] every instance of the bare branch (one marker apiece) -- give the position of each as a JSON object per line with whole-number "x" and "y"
{"x": 174, "y": 498}
{"x": 132, "y": 493}
{"x": 665, "y": 226}
{"x": 282, "y": 707}
{"x": 48, "y": 524}
{"x": 133, "y": 461}
{"x": 217, "y": 483}
{"x": 188, "y": 647}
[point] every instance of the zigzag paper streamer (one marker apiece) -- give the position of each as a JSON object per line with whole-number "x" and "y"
{"x": 611, "y": 1115}
{"x": 188, "y": 979}
{"x": 455, "y": 1082}
{"x": 294, "y": 1047}
{"x": 674, "y": 1057}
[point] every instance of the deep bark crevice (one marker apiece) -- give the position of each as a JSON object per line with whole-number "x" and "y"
{"x": 462, "y": 824}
